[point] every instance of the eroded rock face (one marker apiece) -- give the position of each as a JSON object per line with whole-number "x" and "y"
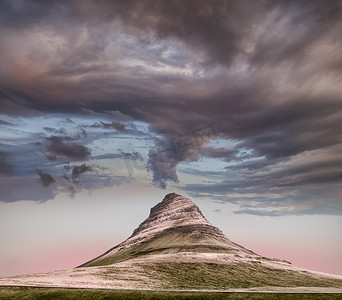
{"x": 174, "y": 210}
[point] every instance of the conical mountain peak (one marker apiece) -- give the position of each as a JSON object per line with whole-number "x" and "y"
{"x": 174, "y": 225}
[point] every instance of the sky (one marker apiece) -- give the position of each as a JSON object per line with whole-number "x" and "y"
{"x": 106, "y": 106}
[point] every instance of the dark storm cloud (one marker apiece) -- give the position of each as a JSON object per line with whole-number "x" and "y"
{"x": 166, "y": 154}
{"x": 2, "y": 122}
{"x": 264, "y": 73}
{"x": 26, "y": 174}
{"x": 45, "y": 179}
{"x": 77, "y": 170}
{"x": 12, "y": 105}
{"x": 63, "y": 147}
{"x": 289, "y": 128}
{"x": 308, "y": 186}
{"x": 219, "y": 27}
{"x": 162, "y": 161}
{"x": 271, "y": 133}
{"x": 225, "y": 153}
{"x": 5, "y": 167}
{"x": 308, "y": 21}
{"x": 116, "y": 114}
{"x": 108, "y": 156}
{"x": 259, "y": 213}
{"x": 84, "y": 133}
{"x": 322, "y": 210}
{"x": 116, "y": 125}
{"x": 215, "y": 27}
{"x": 203, "y": 174}
{"x": 27, "y": 13}
{"x": 113, "y": 125}
{"x": 119, "y": 115}
{"x": 134, "y": 155}
{"x": 55, "y": 131}
{"x": 296, "y": 176}
{"x": 200, "y": 24}
{"x": 86, "y": 177}
{"x": 274, "y": 131}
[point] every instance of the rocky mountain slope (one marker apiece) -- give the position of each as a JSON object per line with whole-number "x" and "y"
{"x": 174, "y": 225}
{"x": 177, "y": 248}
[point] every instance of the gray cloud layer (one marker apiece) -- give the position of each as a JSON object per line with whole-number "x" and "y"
{"x": 265, "y": 74}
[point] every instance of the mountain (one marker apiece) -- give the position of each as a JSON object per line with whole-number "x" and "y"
{"x": 174, "y": 225}
{"x": 177, "y": 248}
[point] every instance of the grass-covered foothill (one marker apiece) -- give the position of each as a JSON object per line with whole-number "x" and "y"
{"x": 13, "y": 293}
{"x": 212, "y": 276}
{"x": 216, "y": 276}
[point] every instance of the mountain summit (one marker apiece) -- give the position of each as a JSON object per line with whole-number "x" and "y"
{"x": 174, "y": 225}
{"x": 174, "y": 210}
{"x": 177, "y": 248}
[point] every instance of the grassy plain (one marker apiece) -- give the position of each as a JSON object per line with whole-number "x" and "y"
{"x": 14, "y": 293}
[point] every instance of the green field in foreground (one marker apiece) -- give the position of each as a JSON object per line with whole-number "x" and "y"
{"x": 65, "y": 293}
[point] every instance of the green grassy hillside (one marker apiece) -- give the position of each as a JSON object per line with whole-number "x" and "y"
{"x": 190, "y": 238}
{"x": 216, "y": 276}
